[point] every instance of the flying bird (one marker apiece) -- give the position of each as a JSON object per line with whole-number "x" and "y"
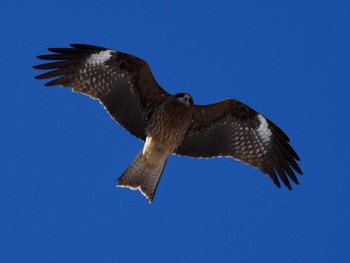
{"x": 169, "y": 124}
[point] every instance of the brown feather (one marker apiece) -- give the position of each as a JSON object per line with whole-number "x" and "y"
{"x": 230, "y": 128}
{"x": 124, "y": 84}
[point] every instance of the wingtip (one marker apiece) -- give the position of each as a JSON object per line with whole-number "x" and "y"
{"x": 41, "y": 56}
{"x": 37, "y": 66}
{"x": 87, "y": 47}
{"x": 297, "y": 157}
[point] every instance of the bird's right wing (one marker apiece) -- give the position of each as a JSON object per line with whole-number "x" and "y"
{"x": 124, "y": 84}
{"x": 231, "y": 128}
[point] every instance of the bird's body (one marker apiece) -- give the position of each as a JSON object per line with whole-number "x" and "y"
{"x": 169, "y": 124}
{"x": 174, "y": 115}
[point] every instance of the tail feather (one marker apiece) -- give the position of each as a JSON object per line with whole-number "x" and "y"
{"x": 137, "y": 177}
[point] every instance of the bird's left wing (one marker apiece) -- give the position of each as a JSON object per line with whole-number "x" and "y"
{"x": 124, "y": 84}
{"x": 231, "y": 128}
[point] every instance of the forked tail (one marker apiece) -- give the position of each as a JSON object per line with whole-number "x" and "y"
{"x": 137, "y": 177}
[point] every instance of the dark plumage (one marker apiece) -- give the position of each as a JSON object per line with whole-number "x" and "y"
{"x": 169, "y": 124}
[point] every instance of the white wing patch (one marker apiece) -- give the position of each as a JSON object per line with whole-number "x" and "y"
{"x": 264, "y": 131}
{"x": 100, "y": 57}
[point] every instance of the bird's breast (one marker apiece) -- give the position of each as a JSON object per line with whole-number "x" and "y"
{"x": 169, "y": 123}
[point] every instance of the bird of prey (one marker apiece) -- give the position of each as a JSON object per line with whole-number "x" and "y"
{"x": 169, "y": 124}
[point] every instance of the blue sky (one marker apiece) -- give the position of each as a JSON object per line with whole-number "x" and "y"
{"x": 61, "y": 153}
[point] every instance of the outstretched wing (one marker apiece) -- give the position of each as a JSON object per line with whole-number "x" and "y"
{"x": 124, "y": 84}
{"x": 231, "y": 128}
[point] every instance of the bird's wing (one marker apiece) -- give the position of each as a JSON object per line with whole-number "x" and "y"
{"x": 231, "y": 128}
{"x": 124, "y": 84}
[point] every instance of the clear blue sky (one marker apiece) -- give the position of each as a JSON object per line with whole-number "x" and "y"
{"x": 60, "y": 153}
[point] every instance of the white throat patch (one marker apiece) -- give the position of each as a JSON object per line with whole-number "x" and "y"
{"x": 264, "y": 131}
{"x": 100, "y": 57}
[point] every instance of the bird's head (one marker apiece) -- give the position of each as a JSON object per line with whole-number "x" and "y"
{"x": 184, "y": 98}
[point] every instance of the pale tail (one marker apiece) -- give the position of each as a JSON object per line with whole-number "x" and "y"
{"x": 136, "y": 177}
